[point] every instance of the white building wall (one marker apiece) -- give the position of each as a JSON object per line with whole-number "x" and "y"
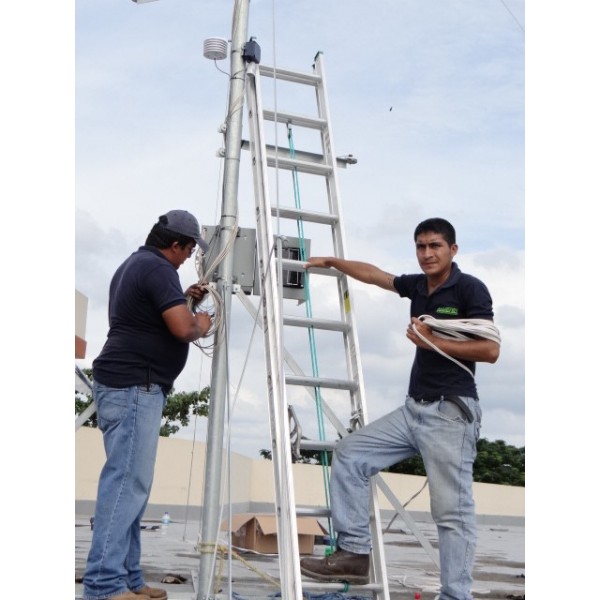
{"x": 179, "y": 479}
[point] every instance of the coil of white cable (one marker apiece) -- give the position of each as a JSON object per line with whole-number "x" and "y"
{"x": 460, "y": 330}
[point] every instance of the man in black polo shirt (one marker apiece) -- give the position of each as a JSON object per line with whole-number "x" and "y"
{"x": 150, "y": 328}
{"x": 440, "y": 419}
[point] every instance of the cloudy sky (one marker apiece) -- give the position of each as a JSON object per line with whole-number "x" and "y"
{"x": 428, "y": 96}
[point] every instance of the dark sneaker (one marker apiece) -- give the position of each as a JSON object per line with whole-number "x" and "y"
{"x": 339, "y": 566}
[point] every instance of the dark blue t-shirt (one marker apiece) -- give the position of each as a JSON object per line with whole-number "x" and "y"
{"x": 139, "y": 348}
{"x": 461, "y": 296}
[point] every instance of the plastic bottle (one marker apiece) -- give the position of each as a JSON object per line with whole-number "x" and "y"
{"x": 166, "y": 519}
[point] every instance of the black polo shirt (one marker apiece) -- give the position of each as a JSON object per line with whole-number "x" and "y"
{"x": 461, "y": 296}
{"x": 139, "y": 348}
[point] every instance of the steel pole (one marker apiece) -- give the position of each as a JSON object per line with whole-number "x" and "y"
{"x": 219, "y": 379}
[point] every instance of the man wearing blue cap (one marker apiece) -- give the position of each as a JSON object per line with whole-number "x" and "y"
{"x": 150, "y": 328}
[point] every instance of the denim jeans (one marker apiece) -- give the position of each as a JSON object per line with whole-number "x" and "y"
{"x": 447, "y": 443}
{"x": 129, "y": 419}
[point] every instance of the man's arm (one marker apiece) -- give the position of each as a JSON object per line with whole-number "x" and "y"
{"x": 365, "y": 272}
{"x": 184, "y": 325}
{"x": 477, "y": 350}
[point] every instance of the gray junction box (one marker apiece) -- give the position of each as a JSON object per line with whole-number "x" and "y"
{"x": 245, "y": 267}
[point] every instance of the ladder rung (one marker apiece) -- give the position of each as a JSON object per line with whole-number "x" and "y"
{"x": 305, "y": 215}
{"x": 297, "y": 265}
{"x": 303, "y": 166}
{"x": 316, "y": 445}
{"x": 341, "y": 587}
{"x": 336, "y": 384}
{"x": 326, "y": 324}
{"x": 295, "y": 119}
{"x": 294, "y": 266}
{"x": 313, "y": 512}
{"x": 290, "y": 264}
{"x": 310, "y": 157}
{"x": 289, "y": 75}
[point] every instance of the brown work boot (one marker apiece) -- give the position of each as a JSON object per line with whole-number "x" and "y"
{"x": 129, "y": 596}
{"x": 339, "y": 566}
{"x": 150, "y": 592}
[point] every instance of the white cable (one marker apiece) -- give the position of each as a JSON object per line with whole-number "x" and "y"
{"x": 218, "y": 306}
{"x": 460, "y": 330}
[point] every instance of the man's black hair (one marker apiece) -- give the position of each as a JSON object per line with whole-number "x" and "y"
{"x": 162, "y": 238}
{"x": 437, "y": 225}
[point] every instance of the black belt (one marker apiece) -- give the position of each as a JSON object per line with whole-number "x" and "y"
{"x": 454, "y": 399}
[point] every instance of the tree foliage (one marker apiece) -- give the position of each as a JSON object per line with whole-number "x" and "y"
{"x": 178, "y": 408}
{"x": 180, "y": 405}
{"x": 496, "y": 462}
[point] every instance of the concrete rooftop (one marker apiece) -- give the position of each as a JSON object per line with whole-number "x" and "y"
{"x": 499, "y": 569}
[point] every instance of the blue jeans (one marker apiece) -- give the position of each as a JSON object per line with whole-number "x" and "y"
{"x": 129, "y": 419}
{"x": 447, "y": 442}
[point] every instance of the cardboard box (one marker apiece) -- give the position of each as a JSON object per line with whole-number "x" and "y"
{"x": 258, "y": 532}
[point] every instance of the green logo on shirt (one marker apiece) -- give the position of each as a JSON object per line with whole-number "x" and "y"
{"x": 447, "y": 310}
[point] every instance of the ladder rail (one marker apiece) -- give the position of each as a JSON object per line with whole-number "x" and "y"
{"x": 272, "y": 325}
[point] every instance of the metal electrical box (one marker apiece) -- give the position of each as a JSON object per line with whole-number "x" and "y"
{"x": 245, "y": 268}
{"x": 244, "y": 256}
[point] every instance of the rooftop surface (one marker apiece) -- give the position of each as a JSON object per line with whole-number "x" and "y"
{"x": 170, "y": 561}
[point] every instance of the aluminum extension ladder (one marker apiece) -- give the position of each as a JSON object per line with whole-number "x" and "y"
{"x": 285, "y": 374}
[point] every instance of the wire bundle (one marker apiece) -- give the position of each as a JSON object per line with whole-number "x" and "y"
{"x": 459, "y": 330}
{"x": 215, "y": 304}
{"x": 462, "y": 329}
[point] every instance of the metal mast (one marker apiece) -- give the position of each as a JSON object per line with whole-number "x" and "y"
{"x": 219, "y": 379}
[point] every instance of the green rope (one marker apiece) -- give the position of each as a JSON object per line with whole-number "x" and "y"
{"x": 311, "y": 332}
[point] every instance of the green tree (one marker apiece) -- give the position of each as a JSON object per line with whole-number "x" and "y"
{"x": 180, "y": 405}
{"x": 496, "y": 462}
{"x": 178, "y": 408}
